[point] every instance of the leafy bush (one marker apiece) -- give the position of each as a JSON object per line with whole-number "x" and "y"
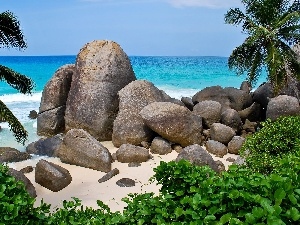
{"x": 276, "y": 140}
{"x": 16, "y": 205}
{"x": 197, "y": 195}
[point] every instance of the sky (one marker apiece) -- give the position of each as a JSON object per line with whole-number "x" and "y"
{"x": 141, "y": 27}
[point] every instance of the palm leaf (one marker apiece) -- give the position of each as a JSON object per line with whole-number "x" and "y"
{"x": 18, "y": 81}
{"x": 15, "y": 126}
{"x": 10, "y": 32}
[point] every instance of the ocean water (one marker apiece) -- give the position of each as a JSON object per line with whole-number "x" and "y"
{"x": 177, "y": 76}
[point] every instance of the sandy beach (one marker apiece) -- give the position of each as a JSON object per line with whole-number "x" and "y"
{"x": 86, "y": 187}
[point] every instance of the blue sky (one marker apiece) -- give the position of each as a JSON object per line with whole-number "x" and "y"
{"x": 141, "y": 27}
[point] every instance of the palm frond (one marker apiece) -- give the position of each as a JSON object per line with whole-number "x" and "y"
{"x": 11, "y": 34}
{"x": 15, "y": 126}
{"x": 234, "y": 16}
{"x": 18, "y": 81}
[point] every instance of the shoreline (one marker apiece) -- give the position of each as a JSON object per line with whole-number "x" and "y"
{"x": 85, "y": 185}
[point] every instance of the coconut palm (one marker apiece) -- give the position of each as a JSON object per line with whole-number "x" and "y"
{"x": 272, "y": 28}
{"x": 11, "y": 36}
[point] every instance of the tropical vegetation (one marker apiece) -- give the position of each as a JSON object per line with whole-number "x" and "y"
{"x": 272, "y": 28}
{"x": 11, "y": 36}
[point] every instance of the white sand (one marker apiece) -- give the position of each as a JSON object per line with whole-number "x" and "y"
{"x": 86, "y": 187}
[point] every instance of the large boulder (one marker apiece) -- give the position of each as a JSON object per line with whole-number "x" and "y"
{"x": 56, "y": 90}
{"x": 160, "y": 146}
{"x": 129, "y": 127}
{"x": 51, "y": 122}
{"x": 52, "y": 176}
{"x": 282, "y": 105}
{"x": 262, "y": 96}
{"x": 197, "y": 156}
{"x": 228, "y": 97}
{"x": 19, "y": 176}
{"x": 231, "y": 118}
{"x": 173, "y": 122}
{"x": 8, "y": 154}
{"x": 128, "y": 153}
{"x": 210, "y": 111}
{"x": 81, "y": 149}
{"x": 221, "y": 133}
{"x": 102, "y": 69}
{"x": 45, "y": 146}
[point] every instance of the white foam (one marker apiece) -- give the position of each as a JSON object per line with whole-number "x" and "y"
{"x": 178, "y": 93}
{"x": 15, "y": 98}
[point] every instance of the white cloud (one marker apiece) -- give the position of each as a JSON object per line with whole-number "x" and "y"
{"x": 205, "y": 3}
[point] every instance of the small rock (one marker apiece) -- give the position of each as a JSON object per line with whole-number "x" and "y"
{"x": 8, "y": 154}
{"x": 230, "y": 159}
{"x": 188, "y": 102}
{"x": 134, "y": 164}
{"x": 160, "y": 146}
{"x": 33, "y": 114}
{"x": 239, "y": 161}
{"x": 130, "y": 153}
{"x": 114, "y": 156}
{"x": 235, "y": 144}
{"x": 177, "y": 148}
{"x": 216, "y": 148}
{"x": 27, "y": 169}
{"x": 145, "y": 144}
{"x": 125, "y": 182}
{"x": 221, "y": 166}
{"x": 109, "y": 175}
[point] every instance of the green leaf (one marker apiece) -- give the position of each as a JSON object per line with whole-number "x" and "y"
{"x": 294, "y": 214}
{"x": 258, "y": 212}
{"x": 225, "y": 218}
{"x": 292, "y": 199}
{"x": 279, "y": 194}
{"x": 179, "y": 212}
{"x": 250, "y": 218}
{"x": 209, "y": 218}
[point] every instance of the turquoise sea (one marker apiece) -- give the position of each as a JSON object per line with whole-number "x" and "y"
{"x": 177, "y": 76}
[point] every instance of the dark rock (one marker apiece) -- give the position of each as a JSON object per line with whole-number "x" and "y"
{"x": 282, "y": 105}
{"x": 81, "y": 149}
{"x": 33, "y": 114}
{"x": 114, "y": 156}
{"x": 129, "y": 127}
{"x": 45, "y": 146}
{"x": 125, "y": 182}
{"x": 188, "y": 102}
{"x": 134, "y": 164}
{"x": 262, "y": 95}
{"x": 221, "y": 133}
{"x": 56, "y": 90}
{"x": 102, "y": 69}
{"x": 27, "y": 169}
{"x": 52, "y": 176}
{"x": 51, "y": 122}
{"x": 216, "y": 148}
{"x": 109, "y": 175}
{"x": 19, "y": 176}
{"x": 235, "y": 144}
{"x": 197, "y": 156}
{"x": 129, "y": 153}
{"x": 210, "y": 111}
{"x": 173, "y": 122}
{"x": 231, "y": 118}
{"x": 8, "y": 154}
{"x": 252, "y": 113}
{"x": 177, "y": 148}
{"x": 160, "y": 146}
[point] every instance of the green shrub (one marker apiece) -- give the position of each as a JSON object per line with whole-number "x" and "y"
{"x": 274, "y": 141}
{"x": 197, "y": 195}
{"x": 16, "y": 205}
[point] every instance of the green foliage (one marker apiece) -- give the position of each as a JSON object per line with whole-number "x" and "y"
{"x": 16, "y": 205}
{"x": 74, "y": 213}
{"x": 272, "y": 27}
{"x": 274, "y": 141}
{"x": 197, "y": 195}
